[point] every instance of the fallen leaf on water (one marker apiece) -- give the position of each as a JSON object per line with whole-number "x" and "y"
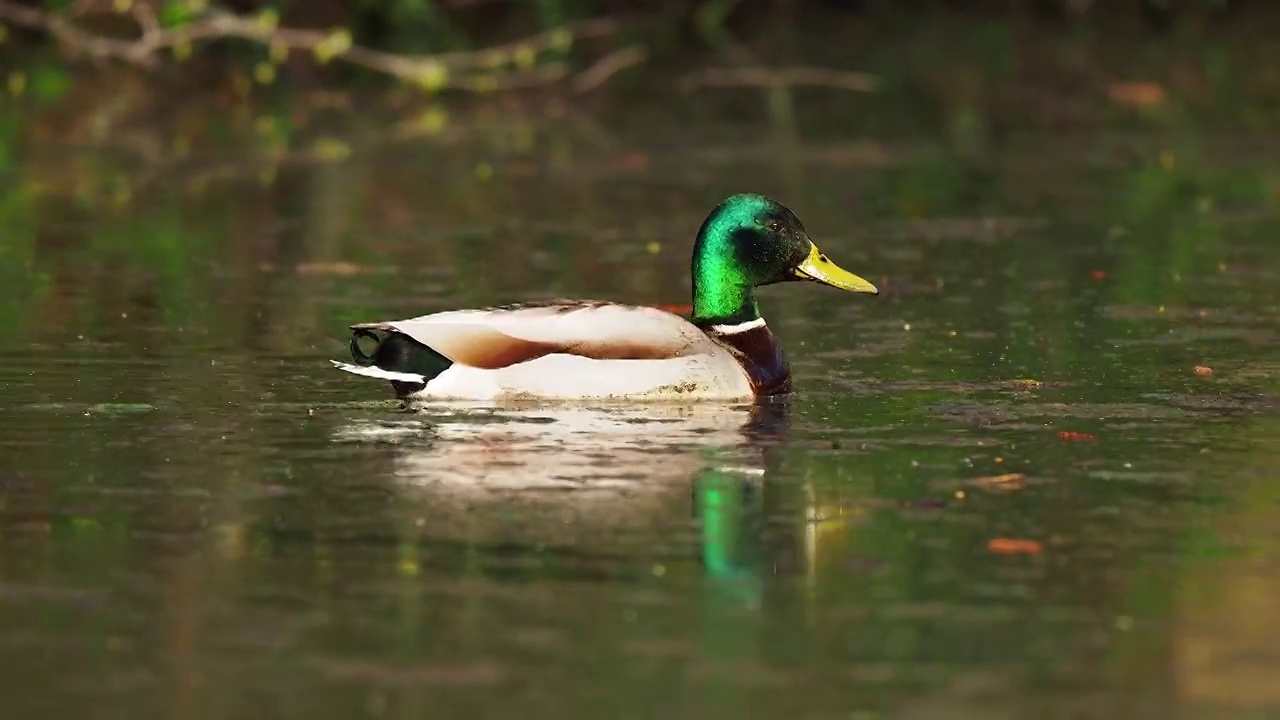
{"x": 631, "y": 161}
{"x": 344, "y": 269}
{"x": 1003, "y": 483}
{"x": 1098, "y": 275}
{"x": 330, "y": 150}
{"x": 1136, "y": 94}
{"x": 1014, "y": 546}
{"x": 1204, "y": 370}
{"x": 1025, "y": 382}
{"x": 1073, "y": 435}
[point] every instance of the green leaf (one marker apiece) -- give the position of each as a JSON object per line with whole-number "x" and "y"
{"x": 175, "y": 13}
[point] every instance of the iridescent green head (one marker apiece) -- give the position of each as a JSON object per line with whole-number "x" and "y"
{"x": 748, "y": 241}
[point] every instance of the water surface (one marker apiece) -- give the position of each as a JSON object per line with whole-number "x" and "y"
{"x": 1036, "y": 476}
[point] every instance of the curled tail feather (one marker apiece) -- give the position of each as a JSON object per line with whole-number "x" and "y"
{"x": 391, "y": 355}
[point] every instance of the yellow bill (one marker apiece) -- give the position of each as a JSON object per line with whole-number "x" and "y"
{"x": 818, "y": 268}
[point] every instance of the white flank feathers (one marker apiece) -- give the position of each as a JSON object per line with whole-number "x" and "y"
{"x": 573, "y": 377}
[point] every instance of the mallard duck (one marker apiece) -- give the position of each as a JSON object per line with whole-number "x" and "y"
{"x": 574, "y": 349}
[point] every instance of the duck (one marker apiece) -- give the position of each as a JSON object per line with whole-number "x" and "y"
{"x": 600, "y": 350}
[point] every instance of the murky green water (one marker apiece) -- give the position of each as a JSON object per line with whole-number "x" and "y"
{"x": 1002, "y": 488}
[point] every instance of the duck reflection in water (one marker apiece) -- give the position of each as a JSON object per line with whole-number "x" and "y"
{"x": 622, "y": 480}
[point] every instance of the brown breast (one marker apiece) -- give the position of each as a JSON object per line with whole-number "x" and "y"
{"x": 760, "y": 356}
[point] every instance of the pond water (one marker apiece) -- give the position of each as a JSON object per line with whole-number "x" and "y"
{"x": 1035, "y": 476}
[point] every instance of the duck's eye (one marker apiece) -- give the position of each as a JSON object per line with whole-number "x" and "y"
{"x": 774, "y": 225}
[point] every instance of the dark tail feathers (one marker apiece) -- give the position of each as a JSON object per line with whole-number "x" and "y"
{"x": 390, "y": 349}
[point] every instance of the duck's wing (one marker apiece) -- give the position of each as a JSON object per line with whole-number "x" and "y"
{"x": 502, "y": 336}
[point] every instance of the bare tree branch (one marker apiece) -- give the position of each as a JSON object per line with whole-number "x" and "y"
{"x": 509, "y": 65}
{"x": 608, "y": 66}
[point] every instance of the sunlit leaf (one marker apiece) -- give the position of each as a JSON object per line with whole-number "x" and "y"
{"x": 431, "y": 75}
{"x": 429, "y": 122}
{"x": 264, "y": 73}
{"x": 562, "y": 39}
{"x": 265, "y": 125}
{"x": 268, "y": 20}
{"x": 182, "y": 50}
{"x": 17, "y": 82}
{"x": 526, "y": 56}
{"x": 331, "y": 149}
{"x": 335, "y": 44}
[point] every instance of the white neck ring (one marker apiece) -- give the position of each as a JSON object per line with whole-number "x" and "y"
{"x": 740, "y": 327}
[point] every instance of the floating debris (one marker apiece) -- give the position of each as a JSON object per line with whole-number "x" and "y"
{"x": 1004, "y": 483}
{"x": 1014, "y": 546}
{"x": 1075, "y": 436}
